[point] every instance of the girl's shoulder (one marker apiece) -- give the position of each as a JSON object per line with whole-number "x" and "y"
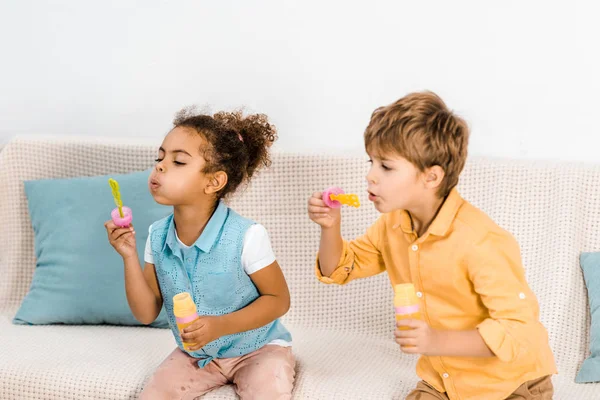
{"x": 162, "y": 223}
{"x": 235, "y": 216}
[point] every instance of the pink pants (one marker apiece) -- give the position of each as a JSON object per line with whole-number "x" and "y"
{"x": 267, "y": 373}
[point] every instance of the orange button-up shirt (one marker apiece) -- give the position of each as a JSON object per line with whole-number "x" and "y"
{"x": 468, "y": 275}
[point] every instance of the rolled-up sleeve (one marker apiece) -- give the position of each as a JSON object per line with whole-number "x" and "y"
{"x": 360, "y": 257}
{"x": 512, "y": 327}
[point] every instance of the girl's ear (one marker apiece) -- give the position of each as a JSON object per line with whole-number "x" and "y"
{"x": 216, "y": 182}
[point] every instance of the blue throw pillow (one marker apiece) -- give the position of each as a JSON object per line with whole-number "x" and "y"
{"x": 78, "y": 277}
{"x": 590, "y": 370}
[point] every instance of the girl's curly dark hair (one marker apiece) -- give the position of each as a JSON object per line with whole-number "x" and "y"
{"x": 237, "y": 144}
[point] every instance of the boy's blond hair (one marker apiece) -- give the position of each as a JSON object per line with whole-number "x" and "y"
{"x": 421, "y": 128}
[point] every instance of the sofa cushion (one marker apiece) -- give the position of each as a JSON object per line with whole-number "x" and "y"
{"x": 79, "y": 277}
{"x": 590, "y": 370}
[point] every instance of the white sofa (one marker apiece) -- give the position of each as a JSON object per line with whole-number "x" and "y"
{"x": 343, "y": 336}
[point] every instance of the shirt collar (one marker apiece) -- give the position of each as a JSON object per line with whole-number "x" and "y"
{"x": 444, "y": 219}
{"x": 447, "y": 214}
{"x": 210, "y": 233}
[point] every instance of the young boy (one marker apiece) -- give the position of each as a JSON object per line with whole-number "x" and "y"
{"x": 480, "y": 337}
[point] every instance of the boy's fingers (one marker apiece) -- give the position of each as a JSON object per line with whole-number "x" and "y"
{"x": 408, "y": 333}
{"x": 317, "y": 215}
{"x": 407, "y": 342}
{"x": 318, "y": 209}
{"x": 410, "y": 349}
{"x": 316, "y": 201}
{"x": 409, "y": 323}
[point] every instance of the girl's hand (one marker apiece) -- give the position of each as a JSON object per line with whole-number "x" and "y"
{"x": 202, "y": 331}
{"x": 122, "y": 239}
{"x": 320, "y": 213}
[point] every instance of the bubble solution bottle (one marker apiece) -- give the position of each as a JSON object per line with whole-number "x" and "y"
{"x": 406, "y": 303}
{"x": 185, "y": 312}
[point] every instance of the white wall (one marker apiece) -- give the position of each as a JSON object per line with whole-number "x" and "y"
{"x": 525, "y": 74}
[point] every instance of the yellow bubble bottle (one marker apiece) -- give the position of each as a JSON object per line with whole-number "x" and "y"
{"x": 185, "y": 312}
{"x": 406, "y": 302}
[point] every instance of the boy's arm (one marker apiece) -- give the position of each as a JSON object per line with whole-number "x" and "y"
{"x": 421, "y": 339}
{"x": 330, "y": 249}
{"x": 341, "y": 261}
{"x": 512, "y": 329}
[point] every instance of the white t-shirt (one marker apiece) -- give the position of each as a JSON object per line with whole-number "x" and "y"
{"x": 256, "y": 251}
{"x": 257, "y": 254}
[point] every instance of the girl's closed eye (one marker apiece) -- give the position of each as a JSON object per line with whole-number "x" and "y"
{"x": 158, "y": 160}
{"x": 178, "y": 162}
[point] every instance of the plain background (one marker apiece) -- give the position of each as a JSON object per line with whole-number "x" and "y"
{"x": 525, "y": 74}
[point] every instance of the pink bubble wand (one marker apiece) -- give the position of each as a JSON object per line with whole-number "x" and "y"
{"x": 121, "y": 215}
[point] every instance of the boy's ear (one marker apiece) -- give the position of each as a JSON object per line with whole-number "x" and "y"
{"x": 434, "y": 176}
{"x": 216, "y": 182}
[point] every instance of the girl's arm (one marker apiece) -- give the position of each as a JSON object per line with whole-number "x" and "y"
{"x": 274, "y": 301}
{"x": 143, "y": 293}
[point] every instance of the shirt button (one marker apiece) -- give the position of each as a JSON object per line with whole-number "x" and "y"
{"x": 446, "y": 376}
{"x": 419, "y": 294}
{"x": 415, "y": 247}
{"x": 521, "y": 295}
{"x": 347, "y": 269}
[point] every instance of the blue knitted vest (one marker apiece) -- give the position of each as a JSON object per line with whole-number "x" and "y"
{"x": 211, "y": 271}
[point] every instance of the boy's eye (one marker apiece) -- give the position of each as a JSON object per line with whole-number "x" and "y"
{"x": 385, "y": 167}
{"x": 370, "y": 161}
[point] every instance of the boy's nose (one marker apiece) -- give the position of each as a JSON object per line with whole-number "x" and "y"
{"x": 371, "y": 178}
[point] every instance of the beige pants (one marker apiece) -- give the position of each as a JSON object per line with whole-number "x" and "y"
{"x": 537, "y": 389}
{"x": 267, "y": 373}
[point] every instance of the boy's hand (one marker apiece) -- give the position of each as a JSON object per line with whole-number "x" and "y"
{"x": 320, "y": 213}
{"x": 202, "y": 331}
{"x": 122, "y": 239}
{"x": 419, "y": 339}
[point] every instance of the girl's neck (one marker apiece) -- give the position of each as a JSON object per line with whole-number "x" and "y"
{"x": 425, "y": 214}
{"x": 190, "y": 221}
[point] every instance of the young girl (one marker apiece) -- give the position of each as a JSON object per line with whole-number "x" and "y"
{"x": 222, "y": 259}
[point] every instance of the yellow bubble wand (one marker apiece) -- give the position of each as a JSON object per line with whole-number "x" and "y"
{"x": 348, "y": 199}
{"x": 114, "y": 185}
{"x": 334, "y": 197}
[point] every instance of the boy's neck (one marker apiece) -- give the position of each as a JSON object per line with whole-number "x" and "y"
{"x": 190, "y": 221}
{"x": 425, "y": 214}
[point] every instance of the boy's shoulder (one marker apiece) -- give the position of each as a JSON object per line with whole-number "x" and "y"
{"x": 473, "y": 225}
